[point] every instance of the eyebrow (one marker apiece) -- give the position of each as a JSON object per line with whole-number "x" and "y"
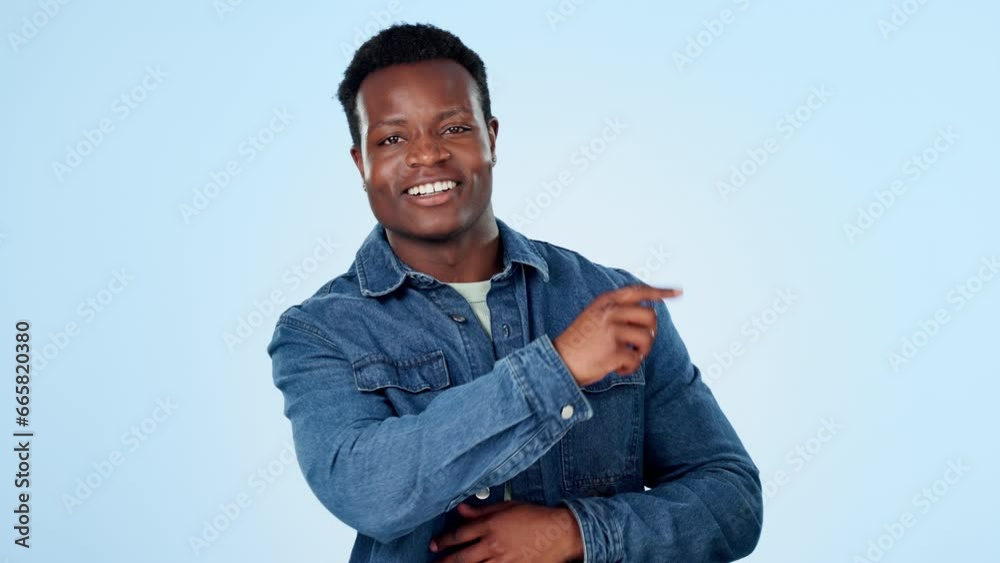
{"x": 400, "y": 121}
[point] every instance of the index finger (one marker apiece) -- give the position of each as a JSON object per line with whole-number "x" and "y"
{"x": 642, "y": 292}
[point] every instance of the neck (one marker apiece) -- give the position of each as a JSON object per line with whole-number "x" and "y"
{"x": 472, "y": 255}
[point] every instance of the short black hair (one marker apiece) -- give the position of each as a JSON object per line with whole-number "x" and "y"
{"x": 407, "y": 43}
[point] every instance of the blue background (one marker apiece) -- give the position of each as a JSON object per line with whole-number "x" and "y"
{"x": 201, "y": 80}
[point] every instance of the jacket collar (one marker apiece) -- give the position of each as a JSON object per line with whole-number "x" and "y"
{"x": 380, "y": 271}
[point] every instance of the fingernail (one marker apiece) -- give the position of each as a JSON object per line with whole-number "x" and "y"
{"x": 434, "y": 546}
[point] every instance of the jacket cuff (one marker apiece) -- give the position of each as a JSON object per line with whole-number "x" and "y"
{"x": 603, "y": 541}
{"x": 549, "y": 386}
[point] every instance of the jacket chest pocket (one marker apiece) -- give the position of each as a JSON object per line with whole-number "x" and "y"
{"x": 409, "y": 383}
{"x": 602, "y": 456}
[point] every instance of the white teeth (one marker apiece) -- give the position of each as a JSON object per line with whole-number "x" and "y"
{"x": 431, "y": 188}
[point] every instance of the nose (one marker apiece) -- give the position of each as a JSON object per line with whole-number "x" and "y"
{"x": 426, "y": 150}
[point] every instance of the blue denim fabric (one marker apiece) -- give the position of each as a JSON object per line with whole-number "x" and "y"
{"x": 402, "y": 407}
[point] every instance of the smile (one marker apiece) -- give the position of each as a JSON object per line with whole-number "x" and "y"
{"x": 431, "y": 188}
{"x": 429, "y": 195}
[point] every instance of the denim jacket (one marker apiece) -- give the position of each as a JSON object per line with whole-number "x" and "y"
{"x": 402, "y": 407}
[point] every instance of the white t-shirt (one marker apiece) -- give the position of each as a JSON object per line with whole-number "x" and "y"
{"x": 475, "y": 294}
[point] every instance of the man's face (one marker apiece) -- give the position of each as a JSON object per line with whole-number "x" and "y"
{"x": 421, "y": 123}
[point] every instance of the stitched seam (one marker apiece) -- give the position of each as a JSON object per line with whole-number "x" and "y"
{"x": 522, "y": 386}
{"x": 511, "y": 456}
{"x": 307, "y": 328}
{"x": 426, "y": 358}
{"x": 435, "y": 358}
{"x": 620, "y": 544}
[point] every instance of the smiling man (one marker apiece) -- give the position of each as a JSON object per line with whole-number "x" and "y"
{"x": 466, "y": 394}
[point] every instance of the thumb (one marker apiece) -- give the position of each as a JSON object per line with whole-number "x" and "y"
{"x": 469, "y": 511}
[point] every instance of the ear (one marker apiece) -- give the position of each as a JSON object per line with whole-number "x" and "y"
{"x": 358, "y": 161}
{"x": 493, "y": 127}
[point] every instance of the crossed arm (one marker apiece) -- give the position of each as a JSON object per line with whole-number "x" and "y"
{"x": 704, "y": 505}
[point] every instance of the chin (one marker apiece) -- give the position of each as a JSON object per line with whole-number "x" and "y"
{"x": 429, "y": 228}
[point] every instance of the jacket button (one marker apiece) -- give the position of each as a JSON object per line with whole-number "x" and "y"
{"x": 458, "y": 318}
{"x": 483, "y": 493}
{"x": 567, "y": 412}
{"x": 506, "y": 329}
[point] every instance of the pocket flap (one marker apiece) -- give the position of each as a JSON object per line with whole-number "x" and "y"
{"x": 423, "y": 372}
{"x": 613, "y": 378}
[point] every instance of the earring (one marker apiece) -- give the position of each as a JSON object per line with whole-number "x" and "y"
{"x": 494, "y": 159}
{"x": 364, "y": 186}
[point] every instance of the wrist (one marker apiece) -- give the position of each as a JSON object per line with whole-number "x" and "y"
{"x": 573, "y": 546}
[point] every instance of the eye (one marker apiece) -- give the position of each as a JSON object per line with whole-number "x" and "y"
{"x": 389, "y": 138}
{"x": 461, "y": 128}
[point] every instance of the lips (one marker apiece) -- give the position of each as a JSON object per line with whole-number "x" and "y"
{"x": 434, "y": 199}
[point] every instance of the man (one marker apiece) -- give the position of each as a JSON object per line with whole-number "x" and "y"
{"x": 466, "y": 394}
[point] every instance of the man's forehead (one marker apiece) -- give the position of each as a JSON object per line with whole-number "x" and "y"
{"x": 413, "y": 86}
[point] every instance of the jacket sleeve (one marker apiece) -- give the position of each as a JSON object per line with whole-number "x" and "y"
{"x": 384, "y": 475}
{"x": 704, "y": 504}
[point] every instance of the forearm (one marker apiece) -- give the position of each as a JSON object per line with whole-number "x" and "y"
{"x": 710, "y": 515}
{"x": 385, "y": 476}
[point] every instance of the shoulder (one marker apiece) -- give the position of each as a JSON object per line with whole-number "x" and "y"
{"x": 568, "y": 264}
{"x": 336, "y": 296}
